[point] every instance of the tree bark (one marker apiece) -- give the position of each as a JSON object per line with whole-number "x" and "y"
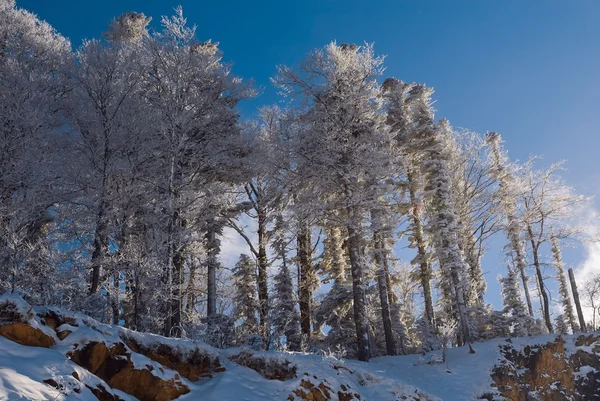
{"x": 175, "y": 304}
{"x": 263, "y": 291}
{"x": 577, "y": 302}
{"x": 422, "y": 257}
{"x": 99, "y": 248}
{"x": 211, "y": 266}
{"x": 540, "y": 278}
{"x": 381, "y": 259}
{"x": 305, "y": 278}
{"x": 357, "y": 267}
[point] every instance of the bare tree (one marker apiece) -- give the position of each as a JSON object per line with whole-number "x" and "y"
{"x": 591, "y": 292}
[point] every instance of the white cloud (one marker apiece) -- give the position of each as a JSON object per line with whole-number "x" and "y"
{"x": 589, "y": 267}
{"x": 589, "y": 220}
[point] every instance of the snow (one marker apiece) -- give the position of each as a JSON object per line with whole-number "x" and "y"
{"x": 23, "y": 371}
{"x": 463, "y": 376}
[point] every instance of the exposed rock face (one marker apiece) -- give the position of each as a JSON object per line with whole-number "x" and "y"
{"x": 547, "y": 373}
{"x": 193, "y": 366}
{"x": 115, "y": 367}
{"x": 118, "y": 363}
{"x": 313, "y": 389}
{"x": 24, "y": 334}
{"x": 268, "y": 367}
{"x": 14, "y": 326}
{"x": 103, "y": 394}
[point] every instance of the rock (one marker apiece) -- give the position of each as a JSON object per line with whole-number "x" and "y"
{"x": 24, "y": 334}
{"x": 102, "y": 394}
{"x": 51, "y": 382}
{"x": 269, "y": 367}
{"x": 54, "y": 319}
{"x": 315, "y": 390}
{"x": 63, "y": 334}
{"x": 193, "y": 366}
{"x": 546, "y": 372}
{"x": 115, "y": 367}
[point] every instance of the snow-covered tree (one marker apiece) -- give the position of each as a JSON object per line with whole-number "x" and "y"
{"x": 563, "y": 287}
{"x": 410, "y": 116}
{"x": 32, "y": 60}
{"x": 335, "y": 309}
{"x": 192, "y": 95}
{"x": 507, "y": 198}
{"x": 284, "y": 316}
{"x": 246, "y": 306}
{"x": 344, "y": 149}
{"x": 518, "y": 320}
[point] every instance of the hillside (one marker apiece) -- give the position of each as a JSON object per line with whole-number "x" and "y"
{"x": 53, "y": 354}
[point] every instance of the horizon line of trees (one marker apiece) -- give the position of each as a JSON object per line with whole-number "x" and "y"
{"x": 123, "y": 162}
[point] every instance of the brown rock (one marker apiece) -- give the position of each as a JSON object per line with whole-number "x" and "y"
{"x": 102, "y": 394}
{"x": 114, "y": 366}
{"x": 51, "y": 382}
{"x": 269, "y": 368}
{"x": 309, "y": 391}
{"x": 194, "y": 366}
{"x": 24, "y": 334}
{"x": 548, "y": 372}
{"x": 63, "y": 334}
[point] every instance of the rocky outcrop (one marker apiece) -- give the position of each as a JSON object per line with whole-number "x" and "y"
{"x": 268, "y": 367}
{"x": 25, "y": 334}
{"x": 193, "y": 365}
{"x": 548, "y": 372}
{"x": 114, "y": 366}
{"x": 150, "y": 368}
{"x": 15, "y": 317}
{"x": 312, "y": 388}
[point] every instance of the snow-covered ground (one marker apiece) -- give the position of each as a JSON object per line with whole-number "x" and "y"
{"x": 34, "y": 373}
{"x": 464, "y": 377}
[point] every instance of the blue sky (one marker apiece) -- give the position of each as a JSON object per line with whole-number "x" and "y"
{"x": 526, "y": 69}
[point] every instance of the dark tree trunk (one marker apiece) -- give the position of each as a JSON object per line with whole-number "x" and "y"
{"x": 524, "y": 281}
{"x": 99, "y": 248}
{"x": 577, "y": 302}
{"x": 422, "y": 258}
{"x": 212, "y": 265}
{"x": 263, "y": 291}
{"x": 358, "y": 288}
{"x": 175, "y": 304}
{"x": 116, "y": 310}
{"x": 305, "y": 278}
{"x": 540, "y": 280}
{"x": 381, "y": 258}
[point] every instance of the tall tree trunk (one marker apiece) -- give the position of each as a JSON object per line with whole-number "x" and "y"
{"x": 100, "y": 240}
{"x": 576, "y": 299}
{"x": 357, "y": 266}
{"x": 99, "y": 247}
{"x": 211, "y": 265}
{"x": 190, "y": 292}
{"x": 176, "y": 293}
{"x": 305, "y": 278}
{"x": 419, "y": 238}
{"x": 381, "y": 258}
{"x": 513, "y": 228}
{"x": 478, "y": 284}
{"x": 563, "y": 286}
{"x": 540, "y": 279}
{"x": 263, "y": 291}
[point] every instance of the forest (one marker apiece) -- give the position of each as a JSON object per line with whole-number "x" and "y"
{"x": 125, "y": 161}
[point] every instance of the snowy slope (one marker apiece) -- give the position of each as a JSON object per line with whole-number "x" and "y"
{"x": 35, "y": 373}
{"x": 23, "y": 370}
